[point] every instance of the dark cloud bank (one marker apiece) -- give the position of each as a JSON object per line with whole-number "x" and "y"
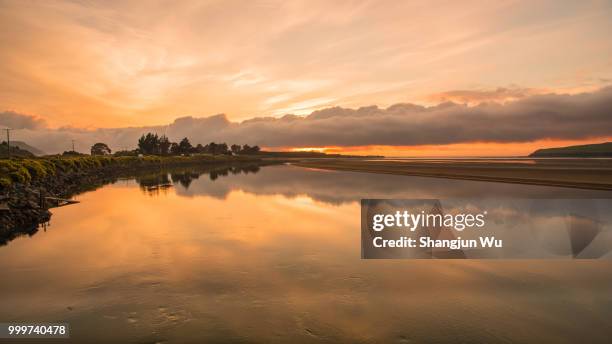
{"x": 532, "y": 118}
{"x": 14, "y": 120}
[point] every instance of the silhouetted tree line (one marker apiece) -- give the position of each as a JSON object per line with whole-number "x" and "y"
{"x": 161, "y": 145}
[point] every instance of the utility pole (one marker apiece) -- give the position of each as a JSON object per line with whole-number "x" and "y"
{"x": 8, "y": 141}
{"x": 73, "y": 146}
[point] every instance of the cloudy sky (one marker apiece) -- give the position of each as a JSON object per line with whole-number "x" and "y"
{"x": 71, "y": 67}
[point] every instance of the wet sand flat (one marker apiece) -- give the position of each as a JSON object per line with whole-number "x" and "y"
{"x": 575, "y": 173}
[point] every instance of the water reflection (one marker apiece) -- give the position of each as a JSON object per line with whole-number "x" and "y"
{"x": 153, "y": 182}
{"x": 332, "y": 187}
{"x": 337, "y": 187}
{"x": 273, "y": 256}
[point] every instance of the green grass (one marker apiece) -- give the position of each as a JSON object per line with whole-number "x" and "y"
{"x": 31, "y": 169}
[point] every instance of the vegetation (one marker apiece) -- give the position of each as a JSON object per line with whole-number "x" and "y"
{"x": 28, "y": 170}
{"x": 100, "y": 149}
{"x": 152, "y": 150}
{"x": 126, "y": 153}
{"x": 72, "y": 153}
{"x": 598, "y": 150}
{"x": 153, "y": 144}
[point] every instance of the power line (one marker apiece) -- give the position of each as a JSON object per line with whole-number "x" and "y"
{"x": 8, "y": 141}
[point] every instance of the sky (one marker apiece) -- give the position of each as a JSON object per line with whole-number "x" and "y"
{"x": 74, "y": 67}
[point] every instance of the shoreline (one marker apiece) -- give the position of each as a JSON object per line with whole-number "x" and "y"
{"x": 594, "y": 175}
{"x": 22, "y": 205}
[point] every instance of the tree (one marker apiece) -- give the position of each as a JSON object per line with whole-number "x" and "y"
{"x": 246, "y": 149}
{"x": 149, "y": 144}
{"x": 164, "y": 145}
{"x": 100, "y": 149}
{"x": 142, "y": 145}
{"x": 236, "y": 148}
{"x": 174, "y": 149}
{"x": 185, "y": 146}
{"x": 222, "y": 148}
{"x": 212, "y": 147}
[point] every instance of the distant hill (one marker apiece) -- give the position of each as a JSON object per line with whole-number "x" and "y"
{"x": 597, "y": 150}
{"x": 25, "y": 146}
{"x": 15, "y": 151}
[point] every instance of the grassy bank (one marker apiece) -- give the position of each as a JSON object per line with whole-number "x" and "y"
{"x": 25, "y": 171}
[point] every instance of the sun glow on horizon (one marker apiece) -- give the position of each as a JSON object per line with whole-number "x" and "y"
{"x": 312, "y": 149}
{"x": 471, "y": 149}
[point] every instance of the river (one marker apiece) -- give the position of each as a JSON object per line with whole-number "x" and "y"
{"x": 273, "y": 255}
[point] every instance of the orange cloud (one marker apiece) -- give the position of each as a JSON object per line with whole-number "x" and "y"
{"x": 132, "y": 63}
{"x": 473, "y": 97}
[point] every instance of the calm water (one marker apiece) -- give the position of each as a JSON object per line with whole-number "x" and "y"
{"x": 273, "y": 256}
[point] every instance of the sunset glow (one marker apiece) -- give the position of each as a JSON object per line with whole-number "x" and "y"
{"x": 306, "y": 171}
{"x": 313, "y": 149}
{"x": 476, "y": 149}
{"x": 73, "y": 65}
